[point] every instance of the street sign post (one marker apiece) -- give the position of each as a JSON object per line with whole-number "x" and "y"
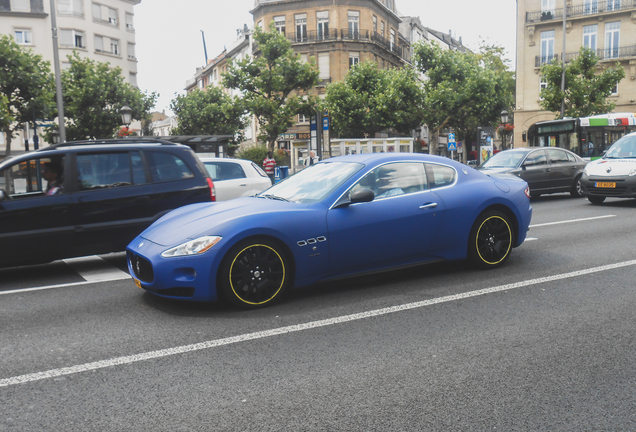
{"x": 452, "y": 144}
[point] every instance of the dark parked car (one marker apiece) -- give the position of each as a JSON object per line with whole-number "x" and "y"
{"x": 92, "y": 197}
{"x": 546, "y": 170}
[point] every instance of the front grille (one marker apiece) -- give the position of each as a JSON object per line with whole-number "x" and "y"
{"x": 141, "y": 267}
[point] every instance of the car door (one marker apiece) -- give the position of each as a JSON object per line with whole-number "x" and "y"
{"x": 561, "y": 174}
{"x": 399, "y": 226}
{"x": 34, "y": 226}
{"x": 535, "y": 170}
{"x": 112, "y": 203}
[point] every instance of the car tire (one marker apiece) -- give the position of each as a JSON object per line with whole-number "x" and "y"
{"x": 577, "y": 191}
{"x": 491, "y": 240}
{"x": 255, "y": 273}
{"x": 596, "y": 200}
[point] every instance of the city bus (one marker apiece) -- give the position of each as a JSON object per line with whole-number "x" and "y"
{"x": 588, "y": 137}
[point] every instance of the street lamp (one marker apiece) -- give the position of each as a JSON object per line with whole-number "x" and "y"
{"x": 504, "y": 121}
{"x": 126, "y": 115}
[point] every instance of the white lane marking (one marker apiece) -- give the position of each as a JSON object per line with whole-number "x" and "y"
{"x": 92, "y": 268}
{"x": 95, "y": 269}
{"x": 572, "y": 220}
{"x": 530, "y": 239}
{"x": 21, "y": 379}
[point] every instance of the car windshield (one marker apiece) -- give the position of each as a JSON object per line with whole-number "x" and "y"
{"x": 314, "y": 183}
{"x": 504, "y": 159}
{"x": 624, "y": 148}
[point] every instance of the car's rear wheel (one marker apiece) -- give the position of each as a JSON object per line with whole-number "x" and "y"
{"x": 491, "y": 240}
{"x": 596, "y": 199}
{"x": 254, "y": 273}
{"x": 577, "y": 190}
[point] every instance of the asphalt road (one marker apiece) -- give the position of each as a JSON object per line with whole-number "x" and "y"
{"x": 544, "y": 343}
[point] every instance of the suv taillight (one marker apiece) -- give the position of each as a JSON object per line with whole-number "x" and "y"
{"x": 212, "y": 190}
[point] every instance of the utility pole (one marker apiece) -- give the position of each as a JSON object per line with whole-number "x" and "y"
{"x": 58, "y": 76}
{"x": 565, "y": 9}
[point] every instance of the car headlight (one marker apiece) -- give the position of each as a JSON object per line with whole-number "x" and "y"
{"x": 632, "y": 173}
{"x": 193, "y": 247}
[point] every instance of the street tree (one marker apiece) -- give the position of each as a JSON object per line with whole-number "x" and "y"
{"x": 209, "y": 111}
{"x": 94, "y": 94}
{"x": 370, "y": 100}
{"x": 586, "y": 89}
{"x": 272, "y": 83}
{"x": 27, "y": 89}
{"x": 463, "y": 91}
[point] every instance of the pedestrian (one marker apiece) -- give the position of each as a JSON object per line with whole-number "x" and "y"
{"x": 311, "y": 159}
{"x": 268, "y": 165}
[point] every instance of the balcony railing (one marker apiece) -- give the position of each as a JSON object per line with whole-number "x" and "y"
{"x": 581, "y": 10}
{"x": 313, "y": 36}
{"x": 603, "y": 54}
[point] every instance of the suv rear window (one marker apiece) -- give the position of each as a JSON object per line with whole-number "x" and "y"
{"x": 168, "y": 167}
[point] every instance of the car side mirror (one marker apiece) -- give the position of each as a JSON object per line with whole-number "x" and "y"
{"x": 362, "y": 195}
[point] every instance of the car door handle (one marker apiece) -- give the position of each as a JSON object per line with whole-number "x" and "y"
{"x": 429, "y": 205}
{"x": 243, "y": 185}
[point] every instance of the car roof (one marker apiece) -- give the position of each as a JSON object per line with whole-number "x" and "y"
{"x": 219, "y": 159}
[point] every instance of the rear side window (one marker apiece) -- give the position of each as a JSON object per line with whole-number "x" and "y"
{"x": 224, "y": 170}
{"x": 107, "y": 170}
{"x": 259, "y": 170}
{"x": 440, "y": 175}
{"x": 557, "y": 156}
{"x": 168, "y": 167}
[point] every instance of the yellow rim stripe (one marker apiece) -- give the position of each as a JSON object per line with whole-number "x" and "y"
{"x": 477, "y": 240}
{"x": 281, "y": 283}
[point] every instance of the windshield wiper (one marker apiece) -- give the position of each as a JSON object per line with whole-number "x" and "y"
{"x": 274, "y": 197}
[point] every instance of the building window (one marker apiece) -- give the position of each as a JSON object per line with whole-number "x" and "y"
{"x": 375, "y": 24}
{"x": 72, "y": 38}
{"x": 613, "y": 5}
{"x": 302, "y": 118}
{"x": 354, "y": 24}
{"x": 279, "y": 23}
{"x": 129, "y": 21}
{"x": 354, "y": 59}
{"x": 615, "y": 90}
{"x": 547, "y": 6}
{"x": 547, "y": 46}
{"x": 260, "y": 24}
{"x": 323, "y": 24}
{"x": 133, "y": 79}
{"x": 323, "y": 66}
{"x": 131, "y": 51}
{"x": 392, "y": 39}
{"x": 590, "y": 6}
{"x": 107, "y": 45}
{"x": 70, "y": 7}
{"x": 301, "y": 27}
{"x": 104, "y": 14}
{"x": 612, "y": 38}
{"x": 382, "y": 29}
{"x": 589, "y": 36}
{"x": 23, "y": 37}
{"x": 20, "y": 6}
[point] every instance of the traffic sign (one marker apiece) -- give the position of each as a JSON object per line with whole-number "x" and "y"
{"x": 451, "y": 137}
{"x": 452, "y": 146}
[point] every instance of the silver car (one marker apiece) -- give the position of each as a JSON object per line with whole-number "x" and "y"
{"x": 235, "y": 178}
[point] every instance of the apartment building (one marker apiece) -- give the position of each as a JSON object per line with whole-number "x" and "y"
{"x": 606, "y": 26}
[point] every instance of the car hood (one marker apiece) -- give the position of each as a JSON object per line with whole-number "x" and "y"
{"x": 610, "y": 167}
{"x": 193, "y": 221}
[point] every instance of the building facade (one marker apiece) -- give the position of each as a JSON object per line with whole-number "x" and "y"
{"x": 608, "y": 27}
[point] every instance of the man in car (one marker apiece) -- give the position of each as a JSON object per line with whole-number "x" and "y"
{"x": 52, "y": 173}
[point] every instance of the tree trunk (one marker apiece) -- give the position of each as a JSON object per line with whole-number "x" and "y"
{"x": 7, "y": 152}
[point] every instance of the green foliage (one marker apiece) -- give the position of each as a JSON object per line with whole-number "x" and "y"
{"x": 370, "y": 100}
{"x": 463, "y": 90}
{"x": 586, "y": 91}
{"x": 268, "y": 81}
{"x": 209, "y": 112}
{"x": 93, "y": 96}
{"x": 257, "y": 154}
{"x": 27, "y": 87}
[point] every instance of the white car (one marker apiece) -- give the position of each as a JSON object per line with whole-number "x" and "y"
{"x": 235, "y": 178}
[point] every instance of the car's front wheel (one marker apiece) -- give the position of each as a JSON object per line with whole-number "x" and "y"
{"x": 491, "y": 240}
{"x": 254, "y": 273}
{"x": 596, "y": 199}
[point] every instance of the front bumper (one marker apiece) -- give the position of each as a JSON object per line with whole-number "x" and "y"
{"x": 624, "y": 186}
{"x": 185, "y": 278}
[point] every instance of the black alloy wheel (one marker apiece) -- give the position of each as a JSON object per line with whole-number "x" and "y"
{"x": 254, "y": 274}
{"x": 491, "y": 240}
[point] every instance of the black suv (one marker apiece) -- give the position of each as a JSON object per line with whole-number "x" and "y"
{"x": 92, "y": 197}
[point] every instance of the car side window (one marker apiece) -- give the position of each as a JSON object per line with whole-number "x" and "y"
{"x": 536, "y": 158}
{"x": 168, "y": 167}
{"x": 394, "y": 179}
{"x": 224, "y": 170}
{"x": 440, "y": 175}
{"x": 259, "y": 170}
{"x": 571, "y": 157}
{"x": 34, "y": 177}
{"x": 104, "y": 170}
{"x": 557, "y": 156}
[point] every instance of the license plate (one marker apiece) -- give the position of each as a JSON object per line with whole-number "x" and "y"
{"x": 605, "y": 184}
{"x": 137, "y": 283}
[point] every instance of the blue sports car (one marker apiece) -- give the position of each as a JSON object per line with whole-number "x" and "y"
{"x": 343, "y": 216}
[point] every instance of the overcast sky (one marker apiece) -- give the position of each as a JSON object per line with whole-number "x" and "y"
{"x": 170, "y": 46}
